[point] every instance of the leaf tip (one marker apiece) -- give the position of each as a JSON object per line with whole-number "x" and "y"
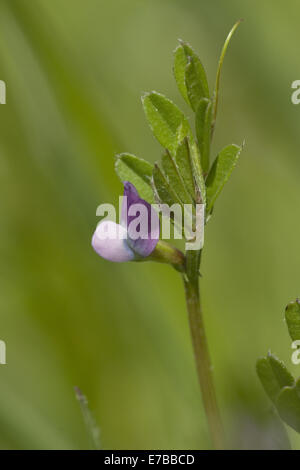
{"x": 292, "y": 304}
{"x": 258, "y": 362}
{"x": 144, "y": 95}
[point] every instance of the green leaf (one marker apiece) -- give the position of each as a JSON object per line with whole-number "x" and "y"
{"x": 266, "y": 375}
{"x": 169, "y": 126}
{"x": 164, "y": 194}
{"x": 292, "y": 316}
{"x": 203, "y": 130}
{"x": 162, "y": 189}
{"x": 197, "y": 188}
{"x": 200, "y": 187}
{"x": 138, "y": 172}
{"x": 281, "y": 373}
{"x": 288, "y": 406}
{"x": 220, "y": 173}
{"x": 195, "y": 89}
{"x": 174, "y": 178}
{"x": 273, "y": 375}
{"x": 165, "y": 120}
{"x": 190, "y": 74}
{"x": 180, "y": 63}
{"x": 184, "y": 164}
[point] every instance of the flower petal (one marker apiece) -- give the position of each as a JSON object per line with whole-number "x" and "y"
{"x": 109, "y": 241}
{"x": 140, "y": 220}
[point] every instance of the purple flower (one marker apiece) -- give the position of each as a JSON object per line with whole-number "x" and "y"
{"x": 137, "y": 235}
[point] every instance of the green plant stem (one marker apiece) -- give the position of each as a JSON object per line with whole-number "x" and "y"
{"x": 203, "y": 364}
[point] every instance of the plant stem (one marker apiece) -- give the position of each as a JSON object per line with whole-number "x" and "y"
{"x": 203, "y": 364}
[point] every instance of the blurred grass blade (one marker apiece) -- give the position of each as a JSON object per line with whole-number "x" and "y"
{"x": 292, "y": 316}
{"x": 190, "y": 75}
{"x": 26, "y": 425}
{"x": 63, "y": 74}
{"x": 277, "y": 433}
{"x": 138, "y": 171}
{"x": 165, "y": 119}
{"x": 91, "y": 426}
{"x": 203, "y": 131}
{"x": 220, "y": 173}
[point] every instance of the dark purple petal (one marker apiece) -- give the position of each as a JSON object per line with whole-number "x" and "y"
{"x": 141, "y": 222}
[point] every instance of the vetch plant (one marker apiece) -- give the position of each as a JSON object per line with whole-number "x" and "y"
{"x": 279, "y": 384}
{"x": 185, "y": 177}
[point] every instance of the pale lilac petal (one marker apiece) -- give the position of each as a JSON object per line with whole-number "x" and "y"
{"x": 141, "y": 221}
{"x": 109, "y": 241}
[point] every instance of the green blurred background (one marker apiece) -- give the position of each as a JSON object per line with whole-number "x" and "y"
{"x": 75, "y": 71}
